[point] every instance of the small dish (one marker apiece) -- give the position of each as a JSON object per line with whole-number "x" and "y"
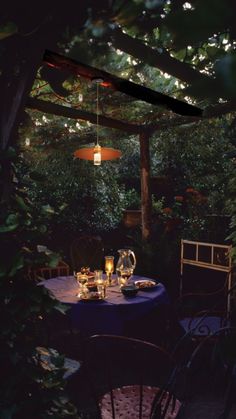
{"x": 129, "y": 290}
{"x": 91, "y": 296}
{"x": 145, "y": 284}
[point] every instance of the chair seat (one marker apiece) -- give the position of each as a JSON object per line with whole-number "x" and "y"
{"x": 127, "y": 399}
{"x": 208, "y": 325}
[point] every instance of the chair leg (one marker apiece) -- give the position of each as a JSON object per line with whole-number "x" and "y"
{"x": 230, "y": 397}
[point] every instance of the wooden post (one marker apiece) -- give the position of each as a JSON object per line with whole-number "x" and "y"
{"x": 146, "y": 207}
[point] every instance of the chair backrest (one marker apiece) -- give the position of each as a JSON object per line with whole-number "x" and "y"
{"x": 206, "y": 258}
{"x": 87, "y": 251}
{"x": 46, "y": 272}
{"x": 211, "y": 370}
{"x": 117, "y": 362}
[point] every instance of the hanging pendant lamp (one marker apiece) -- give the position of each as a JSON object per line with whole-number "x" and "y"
{"x": 97, "y": 153}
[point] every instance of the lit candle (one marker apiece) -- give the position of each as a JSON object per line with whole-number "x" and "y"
{"x": 109, "y": 267}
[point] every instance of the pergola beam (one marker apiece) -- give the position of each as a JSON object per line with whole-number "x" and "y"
{"x": 137, "y": 91}
{"x": 60, "y": 110}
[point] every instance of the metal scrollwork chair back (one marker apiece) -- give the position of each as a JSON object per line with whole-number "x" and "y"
{"x": 129, "y": 378}
{"x": 205, "y": 298}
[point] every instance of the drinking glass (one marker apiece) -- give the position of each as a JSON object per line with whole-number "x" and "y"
{"x": 82, "y": 280}
{"x": 123, "y": 276}
{"x": 100, "y": 282}
{"x": 98, "y": 275}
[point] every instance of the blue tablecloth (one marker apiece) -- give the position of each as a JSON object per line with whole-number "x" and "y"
{"x": 111, "y": 315}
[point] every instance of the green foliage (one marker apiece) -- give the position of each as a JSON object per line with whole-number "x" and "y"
{"x": 7, "y": 29}
{"x": 27, "y": 390}
{"x": 133, "y": 200}
{"x": 80, "y": 196}
{"x": 196, "y": 156}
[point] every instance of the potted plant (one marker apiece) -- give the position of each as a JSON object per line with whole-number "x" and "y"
{"x": 132, "y": 213}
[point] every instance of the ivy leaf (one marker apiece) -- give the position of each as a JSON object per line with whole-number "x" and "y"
{"x": 48, "y": 209}
{"x": 20, "y": 201}
{"x": 18, "y": 263}
{"x": 7, "y": 29}
{"x": 54, "y": 259}
{"x": 3, "y": 271}
{"x": 63, "y": 206}
{"x": 12, "y": 219}
{"x": 8, "y": 228}
{"x": 42, "y": 228}
{"x": 39, "y": 177}
{"x": 56, "y": 79}
{"x": 62, "y": 308}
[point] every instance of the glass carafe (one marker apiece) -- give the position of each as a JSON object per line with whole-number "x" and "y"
{"x": 125, "y": 266}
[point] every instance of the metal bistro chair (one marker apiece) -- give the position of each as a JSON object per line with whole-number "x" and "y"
{"x": 128, "y": 378}
{"x": 46, "y": 272}
{"x": 56, "y": 329}
{"x": 211, "y": 376}
{"x": 205, "y": 299}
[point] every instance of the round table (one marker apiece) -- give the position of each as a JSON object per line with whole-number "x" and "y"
{"x": 109, "y": 316}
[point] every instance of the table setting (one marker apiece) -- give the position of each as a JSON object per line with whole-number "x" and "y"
{"x": 104, "y": 302}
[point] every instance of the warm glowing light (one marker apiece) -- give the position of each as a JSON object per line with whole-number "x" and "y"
{"x": 109, "y": 264}
{"x": 97, "y": 156}
{"x": 97, "y": 153}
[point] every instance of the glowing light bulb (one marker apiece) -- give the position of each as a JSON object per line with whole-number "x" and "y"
{"x": 97, "y": 156}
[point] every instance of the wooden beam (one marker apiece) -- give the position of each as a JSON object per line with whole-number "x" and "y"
{"x": 118, "y": 84}
{"x": 154, "y": 58}
{"x": 54, "y": 109}
{"x": 146, "y": 207}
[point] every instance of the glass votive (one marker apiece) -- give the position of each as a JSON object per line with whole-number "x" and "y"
{"x": 109, "y": 267}
{"x": 98, "y": 275}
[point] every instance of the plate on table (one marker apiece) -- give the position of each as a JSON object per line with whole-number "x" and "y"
{"x": 92, "y": 296}
{"x": 145, "y": 284}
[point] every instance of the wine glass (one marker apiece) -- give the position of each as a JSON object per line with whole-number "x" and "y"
{"x": 100, "y": 282}
{"x": 82, "y": 280}
{"x": 124, "y": 275}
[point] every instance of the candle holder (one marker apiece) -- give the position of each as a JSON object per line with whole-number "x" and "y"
{"x": 109, "y": 268}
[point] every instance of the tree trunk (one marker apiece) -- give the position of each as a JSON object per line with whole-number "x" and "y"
{"x": 20, "y": 61}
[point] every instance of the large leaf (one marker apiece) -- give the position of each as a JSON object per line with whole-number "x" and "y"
{"x": 225, "y": 69}
{"x": 12, "y": 219}
{"x": 7, "y": 29}
{"x": 8, "y": 228}
{"x": 191, "y": 27}
{"x": 54, "y": 259}
{"x": 56, "y": 79}
{"x": 17, "y": 263}
{"x": 21, "y": 202}
{"x": 48, "y": 209}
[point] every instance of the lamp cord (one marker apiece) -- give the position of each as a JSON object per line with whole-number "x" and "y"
{"x": 97, "y": 112}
